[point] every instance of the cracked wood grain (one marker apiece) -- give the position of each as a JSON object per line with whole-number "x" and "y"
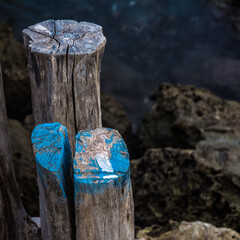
{"x": 64, "y": 64}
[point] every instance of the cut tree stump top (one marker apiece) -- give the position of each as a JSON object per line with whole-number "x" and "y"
{"x": 62, "y": 37}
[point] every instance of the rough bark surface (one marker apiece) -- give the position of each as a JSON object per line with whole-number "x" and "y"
{"x": 64, "y": 62}
{"x": 103, "y": 194}
{"x": 15, "y": 224}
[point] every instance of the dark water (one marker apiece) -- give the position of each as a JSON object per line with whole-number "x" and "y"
{"x": 149, "y": 42}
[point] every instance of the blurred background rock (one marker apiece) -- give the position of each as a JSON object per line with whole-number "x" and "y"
{"x": 184, "y": 140}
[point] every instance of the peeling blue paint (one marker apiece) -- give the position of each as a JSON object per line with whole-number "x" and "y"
{"x": 101, "y": 158}
{"x": 52, "y": 152}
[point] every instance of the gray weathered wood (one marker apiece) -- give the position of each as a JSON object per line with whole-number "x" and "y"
{"x": 64, "y": 62}
{"x": 102, "y": 187}
{"x": 15, "y": 224}
{"x": 54, "y": 166}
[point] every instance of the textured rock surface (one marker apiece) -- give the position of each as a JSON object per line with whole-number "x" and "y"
{"x": 184, "y": 116}
{"x": 190, "y": 230}
{"x": 15, "y": 74}
{"x": 185, "y": 185}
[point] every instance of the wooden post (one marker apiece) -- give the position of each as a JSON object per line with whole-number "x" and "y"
{"x": 102, "y": 185}
{"x": 54, "y": 166}
{"x": 15, "y": 224}
{"x": 64, "y": 62}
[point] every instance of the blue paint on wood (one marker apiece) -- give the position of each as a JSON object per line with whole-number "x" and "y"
{"x": 52, "y": 152}
{"x": 101, "y": 158}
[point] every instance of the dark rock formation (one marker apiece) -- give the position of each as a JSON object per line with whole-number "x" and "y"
{"x": 201, "y": 182}
{"x": 187, "y": 116}
{"x": 190, "y": 230}
{"x": 15, "y": 74}
{"x": 186, "y": 185}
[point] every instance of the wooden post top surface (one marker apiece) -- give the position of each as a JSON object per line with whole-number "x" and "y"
{"x": 60, "y": 37}
{"x": 100, "y": 156}
{"x": 49, "y": 141}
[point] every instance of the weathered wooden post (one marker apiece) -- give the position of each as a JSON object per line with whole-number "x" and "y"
{"x": 103, "y": 194}
{"x": 15, "y": 224}
{"x": 64, "y": 62}
{"x": 54, "y": 167}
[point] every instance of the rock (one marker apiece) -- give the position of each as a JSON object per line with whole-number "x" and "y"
{"x": 187, "y": 116}
{"x": 190, "y": 230}
{"x": 185, "y": 185}
{"x": 24, "y": 165}
{"x": 29, "y": 122}
{"x": 15, "y": 74}
{"x": 114, "y": 116}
